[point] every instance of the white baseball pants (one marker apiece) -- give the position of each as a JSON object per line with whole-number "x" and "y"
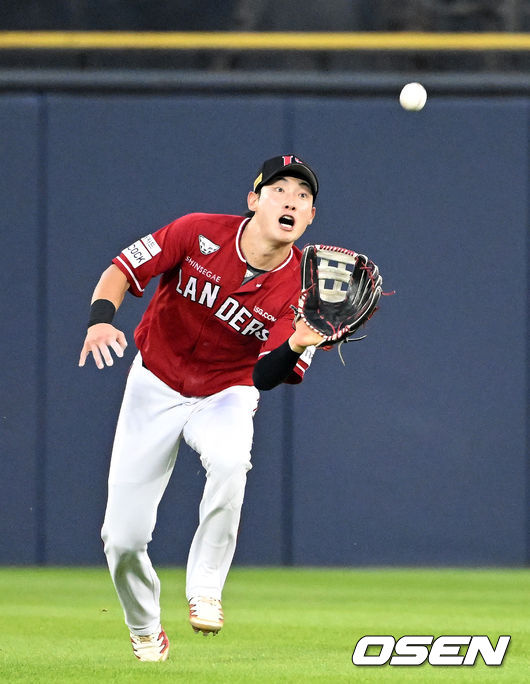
{"x": 152, "y": 420}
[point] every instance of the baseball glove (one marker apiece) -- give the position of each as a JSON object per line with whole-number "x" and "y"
{"x": 340, "y": 292}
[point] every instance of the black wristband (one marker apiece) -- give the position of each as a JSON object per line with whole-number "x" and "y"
{"x": 101, "y": 311}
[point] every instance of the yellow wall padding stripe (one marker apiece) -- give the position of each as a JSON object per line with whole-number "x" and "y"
{"x": 398, "y": 41}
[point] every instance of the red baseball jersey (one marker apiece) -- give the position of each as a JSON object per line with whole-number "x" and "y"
{"x": 203, "y": 331}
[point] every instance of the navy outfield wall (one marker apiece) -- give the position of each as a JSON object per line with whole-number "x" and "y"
{"x": 414, "y": 453}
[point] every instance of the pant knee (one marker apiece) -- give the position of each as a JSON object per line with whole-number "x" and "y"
{"x": 226, "y": 482}
{"x": 122, "y": 545}
{"x": 225, "y": 466}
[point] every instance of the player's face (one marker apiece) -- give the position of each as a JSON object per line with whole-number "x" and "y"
{"x": 283, "y": 209}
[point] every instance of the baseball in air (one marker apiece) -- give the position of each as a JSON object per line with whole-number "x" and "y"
{"x": 413, "y": 97}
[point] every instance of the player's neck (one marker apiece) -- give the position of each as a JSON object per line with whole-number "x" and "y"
{"x": 261, "y": 253}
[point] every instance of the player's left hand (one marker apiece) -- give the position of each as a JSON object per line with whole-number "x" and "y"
{"x": 303, "y": 337}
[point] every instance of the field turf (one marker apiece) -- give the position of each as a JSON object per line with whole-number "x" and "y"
{"x": 282, "y": 625}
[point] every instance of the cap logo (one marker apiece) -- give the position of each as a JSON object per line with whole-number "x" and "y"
{"x": 291, "y": 159}
{"x": 283, "y": 166}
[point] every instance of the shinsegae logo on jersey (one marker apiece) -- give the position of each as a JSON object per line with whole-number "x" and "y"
{"x": 207, "y": 246}
{"x": 416, "y": 650}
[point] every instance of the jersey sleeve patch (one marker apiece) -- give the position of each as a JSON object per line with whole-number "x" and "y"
{"x": 152, "y": 245}
{"x": 141, "y": 251}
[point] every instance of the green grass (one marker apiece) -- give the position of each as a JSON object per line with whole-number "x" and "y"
{"x": 282, "y": 625}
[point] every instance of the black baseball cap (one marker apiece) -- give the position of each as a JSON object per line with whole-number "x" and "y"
{"x": 286, "y": 165}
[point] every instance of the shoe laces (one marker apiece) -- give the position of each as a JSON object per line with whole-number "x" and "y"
{"x": 208, "y": 608}
{"x": 144, "y": 641}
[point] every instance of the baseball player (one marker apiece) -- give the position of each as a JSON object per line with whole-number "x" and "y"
{"x": 218, "y": 329}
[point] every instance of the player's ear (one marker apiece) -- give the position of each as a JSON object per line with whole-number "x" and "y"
{"x": 313, "y": 212}
{"x": 252, "y": 200}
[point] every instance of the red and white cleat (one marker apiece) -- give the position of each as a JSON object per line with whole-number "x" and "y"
{"x": 151, "y": 647}
{"x": 206, "y": 614}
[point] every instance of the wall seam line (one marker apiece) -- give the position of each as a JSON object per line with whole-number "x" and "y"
{"x": 42, "y": 327}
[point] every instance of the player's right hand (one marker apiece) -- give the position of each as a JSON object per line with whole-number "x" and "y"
{"x": 99, "y": 338}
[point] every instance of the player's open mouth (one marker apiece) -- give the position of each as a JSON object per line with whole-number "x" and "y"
{"x": 287, "y": 221}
